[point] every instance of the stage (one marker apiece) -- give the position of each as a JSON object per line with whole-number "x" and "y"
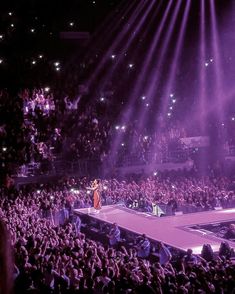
{"x": 172, "y": 230}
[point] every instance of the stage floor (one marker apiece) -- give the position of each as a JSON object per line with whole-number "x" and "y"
{"x": 172, "y": 230}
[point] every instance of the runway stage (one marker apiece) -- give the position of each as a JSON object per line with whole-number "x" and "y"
{"x": 172, "y": 230}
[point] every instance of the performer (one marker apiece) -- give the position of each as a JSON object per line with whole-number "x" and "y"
{"x": 96, "y": 195}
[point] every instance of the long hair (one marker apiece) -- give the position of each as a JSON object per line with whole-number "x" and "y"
{"x": 6, "y": 268}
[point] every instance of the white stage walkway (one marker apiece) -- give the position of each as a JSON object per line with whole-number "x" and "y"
{"x": 170, "y": 230}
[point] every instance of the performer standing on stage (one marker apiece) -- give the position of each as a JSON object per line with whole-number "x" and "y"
{"x": 96, "y": 195}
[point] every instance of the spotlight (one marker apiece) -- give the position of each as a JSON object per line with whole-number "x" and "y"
{"x": 173, "y": 100}
{"x": 88, "y": 192}
{"x": 155, "y": 174}
{"x": 47, "y": 89}
{"x": 123, "y": 128}
{"x": 206, "y": 64}
{"x": 117, "y": 127}
{"x": 10, "y": 13}
{"x": 34, "y": 62}
{"x": 57, "y": 69}
{"x": 122, "y": 144}
{"x": 32, "y": 30}
{"x": 51, "y": 197}
{"x": 102, "y": 99}
{"x": 40, "y": 56}
{"x": 222, "y": 124}
{"x": 233, "y": 118}
{"x": 1, "y": 61}
{"x": 38, "y": 191}
{"x": 145, "y": 138}
{"x": 143, "y": 97}
{"x": 4, "y": 149}
{"x": 71, "y": 24}
{"x": 147, "y": 104}
{"x": 173, "y": 187}
{"x": 131, "y": 65}
{"x": 56, "y": 63}
{"x": 169, "y": 114}
{"x": 113, "y": 56}
{"x": 1, "y": 37}
{"x": 211, "y": 60}
{"x": 171, "y": 95}
{"x": 171, "y": 108}
{"x": 105, "y": 187}
{"x": 12, "y": 25}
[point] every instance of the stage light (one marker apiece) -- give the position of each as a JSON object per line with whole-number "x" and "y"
{"x": 168, "y": 114}
{"x": 40, "y": 56}
{"x": 123, "y": 127}
{"x": 1, "y": 37}
{"x": 206, "y": 64}
{"x": 88, "y": 192}
{"x": 131, "y": 65}
{"x": 1, "y": 61}
{"x": 12, "y": 25}
{"x": 173, "y": 187}
{"x": 147, "y": 104}
{"x": 171, "y": 108}
{"x": 10, "y": 13}
{"x": 211, "y": 60}
{"x": 56, "y": 63}
{"x": 143, "y": 97}
{"x": 173, "y": 100}
{"x": 222, "y": 124}
{"x": 38, "y": 191}
{"x": 171, "y": 95}
{"x": 155, "y": 174}
{"x": 57, "y": 69}
{"x": 52, "y": 197}
{"x": 122, "y": 144}
{"x": 34, "y": 62}
{"x": 47, "y": 89}
{"x": 105, "y": 187}
{"x": 102, "y": 99}
{"x": 4, "y": 149}
{"x": 113, "y": 56}
{"x": 117, "y": 127}
{"x": 145, "y": 138}
{"x": 233, "y": 118}
{"x": 32, "y": 30}
{"x": 71, "y": 24}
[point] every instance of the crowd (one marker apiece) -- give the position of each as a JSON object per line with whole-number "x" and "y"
{"x": 55, "y": 257}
